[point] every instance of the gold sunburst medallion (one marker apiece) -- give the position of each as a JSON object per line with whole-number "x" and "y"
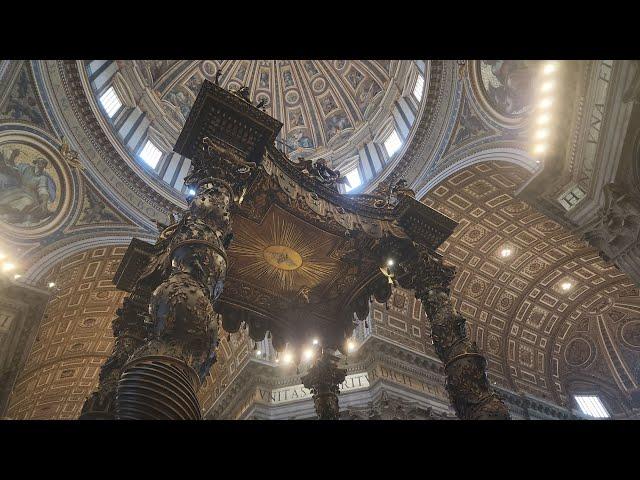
{"x": 282, "y": 257}
{"x": 284, "y": 253}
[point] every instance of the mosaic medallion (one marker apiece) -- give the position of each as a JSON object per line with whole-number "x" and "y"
{"x": 34, "y": 185}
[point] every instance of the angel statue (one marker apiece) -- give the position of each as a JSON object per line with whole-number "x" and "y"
{"x": 402, "y": 188}
{"x": 389, "y": 195}
{"x": 25, "y": 190}
{"x": 320, "y": 171}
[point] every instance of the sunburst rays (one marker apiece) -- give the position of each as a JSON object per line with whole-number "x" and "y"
{"x": 249, "y": 249}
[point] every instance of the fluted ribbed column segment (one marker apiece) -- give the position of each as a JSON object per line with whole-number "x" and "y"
{"x": 158, "y": 388}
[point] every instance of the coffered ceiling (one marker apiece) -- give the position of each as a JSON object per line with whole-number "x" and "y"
{"x": 541, "y": 304}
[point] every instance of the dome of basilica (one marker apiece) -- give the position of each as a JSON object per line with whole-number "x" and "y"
{"x": 341, "y": 110}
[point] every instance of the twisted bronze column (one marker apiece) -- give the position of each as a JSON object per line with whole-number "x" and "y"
{"x": 161, "y": 357}
{"x": 465, "y": 368}
{"x": 324, "y": 379}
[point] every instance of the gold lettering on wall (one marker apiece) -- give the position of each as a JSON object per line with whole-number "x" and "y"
{"x": 298, "y": 392}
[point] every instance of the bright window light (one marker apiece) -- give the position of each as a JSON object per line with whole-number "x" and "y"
{"x": 110, "y": 102}
{"x": 418, "y": 88}
{"x": 150, "y": 154}
{"x": 592, "y": 406}
{"x": 393, "y": 143}
{"x": 354, "y": 180}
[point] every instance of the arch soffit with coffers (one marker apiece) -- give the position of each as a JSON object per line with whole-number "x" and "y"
{"x": 74, "y": 337}
{"x": 44, "y": 259}
{"x": 606, "y": 281}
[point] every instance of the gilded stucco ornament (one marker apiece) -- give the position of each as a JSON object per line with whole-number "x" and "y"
{"x": 69, "y": 155}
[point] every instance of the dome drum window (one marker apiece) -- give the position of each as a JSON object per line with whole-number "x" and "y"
{"x": 110, "y": 102}
{"x": 354, "y": 180}
{"x": 392, "y": 143}
{"x": 150, "y": 154}
{"x": 418, "y": 88}
{"x": 352, "y": 97}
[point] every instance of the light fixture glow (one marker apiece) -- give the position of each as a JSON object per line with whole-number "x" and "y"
{"x": 308, "y": 354}
{"x": 549, "y": 68}
{"x": 566, "y": 286}
{"x": 315, "y": 341}
{"x": 192, "y": 191}
{"x": 390, "y": 262}
{"x": 2, "y": 256}
{"x": 544, "y": 118}
{"x": 258, "y": 353}
{"x": 505, "y": 252}
{"x": 539, "y": 148}
{"x": 7, "y": 266}
{"x": 351, "y": 346}
{"x": 546, "y": 86}
{"x": 287, "y": 358}
{"x": 17, "y": 276}
{"x": 51, "y": 284}
{"x": 542, "y": 133}
{"x": 545, "y": 103}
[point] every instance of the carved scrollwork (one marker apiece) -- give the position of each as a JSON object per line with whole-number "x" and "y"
{"x": 388, "y": 196}
{"x": 183, "y": 278}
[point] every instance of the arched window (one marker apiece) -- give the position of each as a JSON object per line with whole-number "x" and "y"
{"x": 110, "y": 102}
{"x": 592, "y": 406}
{"x": 418, "y": 88}
{"x": 354, "y": 180}
{"x": 393, "y": 143}
{"x": 150, "y": 154}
